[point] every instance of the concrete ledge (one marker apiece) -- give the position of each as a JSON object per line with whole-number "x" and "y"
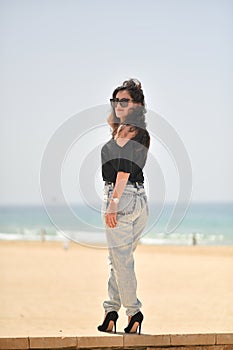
{"x": 132, "y": 340}
{"x": 212, "y": 341}
{"x": 193, "y": 339}
{"x": 14, "y": 343}
{"x": 108, "y": 341}
{"x": 224, "y": 338}
{"x": 52, "y": 342}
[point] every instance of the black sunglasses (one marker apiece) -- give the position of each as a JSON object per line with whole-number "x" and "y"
{"x": 123, "y": 102}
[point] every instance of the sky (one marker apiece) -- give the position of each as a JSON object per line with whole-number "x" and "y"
{"x": 61, "y": 57}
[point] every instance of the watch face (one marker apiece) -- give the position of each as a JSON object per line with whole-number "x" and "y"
{"x": 115, "y": 200}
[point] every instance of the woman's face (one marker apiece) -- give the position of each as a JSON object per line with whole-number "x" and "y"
{"x": 122, "y": 112}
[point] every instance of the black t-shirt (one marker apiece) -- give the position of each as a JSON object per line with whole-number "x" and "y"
{"x": 130, "y": 158}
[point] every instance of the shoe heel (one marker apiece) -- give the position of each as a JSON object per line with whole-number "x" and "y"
{"x": 110, "y": 317}
{"x": 139, "y": 329}
{"x": 137, "y": 318}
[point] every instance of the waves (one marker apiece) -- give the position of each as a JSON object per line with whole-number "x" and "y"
{"x": 204, "y": 224}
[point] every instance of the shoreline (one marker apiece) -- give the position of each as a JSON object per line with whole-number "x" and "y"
{"x": 102, "y": 242}
{"x": 208, "y": 248}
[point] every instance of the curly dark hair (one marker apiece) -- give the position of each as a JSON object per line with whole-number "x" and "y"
{"x": 137, "y": 117}
{"x": 134, "y": 88}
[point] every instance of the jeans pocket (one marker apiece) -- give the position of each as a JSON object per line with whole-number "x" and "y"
{"x": 126, "y": 204}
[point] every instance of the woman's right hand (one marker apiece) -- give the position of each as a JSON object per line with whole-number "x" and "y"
{"x": 111, "y": 215}
{"x": 111, "y": 212}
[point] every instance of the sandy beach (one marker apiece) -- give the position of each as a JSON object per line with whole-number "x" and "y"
{"x": 47, "y": 290}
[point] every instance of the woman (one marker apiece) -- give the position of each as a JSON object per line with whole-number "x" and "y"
{"x": 125, "y": 206}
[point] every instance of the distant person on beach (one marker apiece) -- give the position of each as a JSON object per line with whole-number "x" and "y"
{"x": 125, "y": 207}
{"x": 43, "y": 234}
{"x": 194, "y": 239}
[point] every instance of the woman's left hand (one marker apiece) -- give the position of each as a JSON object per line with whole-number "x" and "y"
{"x": 111, "y": 215}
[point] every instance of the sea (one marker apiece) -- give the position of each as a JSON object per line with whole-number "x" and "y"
{"x": 203, "y": 224}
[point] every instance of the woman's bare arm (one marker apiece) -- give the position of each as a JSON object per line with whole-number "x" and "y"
{"x": 121, "y": 181}
{"x": 111, "y": 214}
{"x": 124, "y": 134}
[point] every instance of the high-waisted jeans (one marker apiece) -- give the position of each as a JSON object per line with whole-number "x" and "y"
{"x": 122, "y": 240}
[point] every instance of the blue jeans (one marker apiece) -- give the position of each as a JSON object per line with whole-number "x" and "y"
{"x": 122, "y": 240}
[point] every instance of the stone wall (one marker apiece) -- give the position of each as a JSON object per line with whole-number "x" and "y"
{"x": 212, "y": 341}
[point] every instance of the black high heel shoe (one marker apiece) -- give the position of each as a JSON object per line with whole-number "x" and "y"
{"x": 109, "y": 321}
{"x": 135, "y": 322}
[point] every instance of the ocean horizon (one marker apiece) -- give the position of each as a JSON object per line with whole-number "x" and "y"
{"x": 205, "y": 223}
